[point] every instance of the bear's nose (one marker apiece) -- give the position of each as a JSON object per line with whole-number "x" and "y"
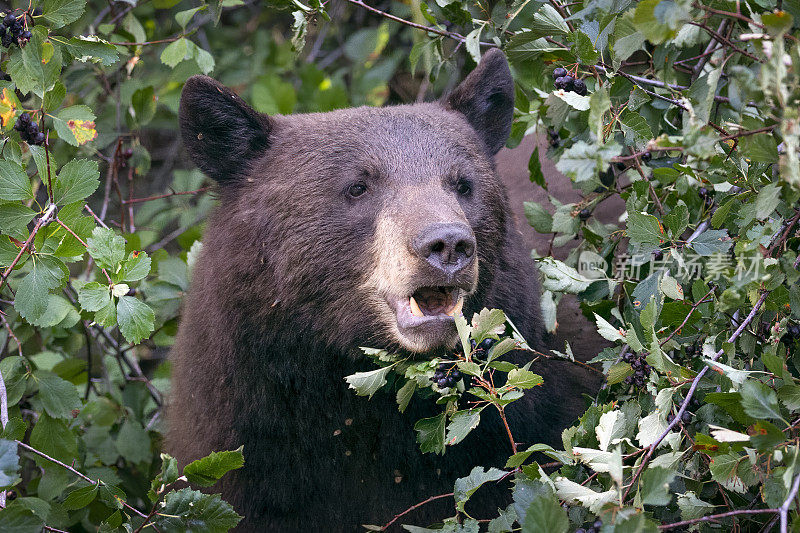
{"x": 448, "y": 247}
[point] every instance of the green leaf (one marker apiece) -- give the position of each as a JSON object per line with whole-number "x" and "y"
{"x": 367, "y": 383}
{"x": 86, "y": 48}
{"x": 62, "y": 12}
{"x": 759, "y": 401}
{"x": 75, "y": 125}
{"x": 38, "y": 66}
{"x": 635, "y": 127}
{"x": 465, "y": 487}
{"x": 712, "y": 241}
{"x": 14, "y": 370}
{"x": 767, "y": 200}
{"x": 461, "y": 423}
{"x": 405, "y": 393}
{"x": 183, "y": 17}
{"x": 135, "y": 318}
{"x": 547, "y": 22}
{"x": 523, "y": 379}
{"x": 133, "y": 442}
{"x": 14, "y": 219}
{"x": 174, "y": 53}
{"x": 94, "y": 296}
{"x": 190, "y": 510}
{"x": 545, "y": 514}
{"x": 33, "y": 291}
{"x": 53, "y": 437}
{"x": 654, "y": 489}
{"x": 59, "y": 397}
{"x": 644, "y": 228}
{"x": 18, "y": 519}
{"x": 488, "y": 323}
{"x": 135, "y": 267}
{"x": 535, "y": 171}
{"x": 430, "y": 434}
{"x": 143, "y": 106}
{"x": 677, "y": 220}
{"x": 208, "y": 470}
{"x": 14, "y": 183}
{"x": 584, "y": 48}
{"x": 106, "y": 248}
{"x": 9, "y": 463}
{"x": 75, "y": 181}
{"x": 538, "y": 217}
{"x": 80, "y": 498}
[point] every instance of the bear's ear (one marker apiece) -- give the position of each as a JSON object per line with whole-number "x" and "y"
{"x": 486, "y": 98}
{"x": 222, "y": 134}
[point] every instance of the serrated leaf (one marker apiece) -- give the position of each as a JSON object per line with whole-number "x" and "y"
{"x": 59, "y": 397}
{"x": 80, "y": 498}
{"x": 14, "y": 183}
{"x": 759, "y": 401}
{"x": 75, "y": 181}
{"x": 106, "y": 248}
{"x": 33, "y": 291}
{"x": 135, "y": 267}
{"x": 487, "y": 323}
{"x": 53, "y": 437}
{"x": 75, "y": 125}
{"x": 461, "y": 423}
{"x": 191, "y": 510}
{"x": 644, "y": 228}
{"x": 654, "y": 487}
{"x": 94, "y": 296}
{"x": 712, "y": 241}
{"x": 133, "y": 442}
{"x": 560, "y": 277}
{"x": 86, "y": 48}
{"x": 523, "y": 379}
{"x": 430, "y": 434}
{"x": 466, "y": 486}
{"x": 14, "y": 219}
{"x": 18, "y": 519}
{"x": 405, "y": 393}
{"x": 174, "y": 53}
{"x": 208, "y": 470}
{"x": 368, "y": 383}
{"x": 538, "y": 217}
{"x": 136, "y": 319}
{"x": 607, "y": 331}
{"x": 62, "y": 12}
{"x": 9, "y": 463}
{"x": 545, "y": 514}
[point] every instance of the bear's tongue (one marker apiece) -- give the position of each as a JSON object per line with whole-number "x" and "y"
{"x": 431, "y": 301}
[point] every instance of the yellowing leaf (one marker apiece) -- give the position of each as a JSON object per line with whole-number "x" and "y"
{"x": 83, "y": 130}
{"x": 8, "y": 108}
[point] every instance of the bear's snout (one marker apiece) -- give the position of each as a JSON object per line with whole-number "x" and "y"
{"x": 448, "y": 247}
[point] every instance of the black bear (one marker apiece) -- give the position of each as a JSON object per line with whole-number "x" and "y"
{"x": 357, "y": 227}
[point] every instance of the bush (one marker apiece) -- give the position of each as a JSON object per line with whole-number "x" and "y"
{"x": 687, "y": 111}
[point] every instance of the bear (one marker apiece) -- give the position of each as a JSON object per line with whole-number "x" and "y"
{"x": 355, "y": 227}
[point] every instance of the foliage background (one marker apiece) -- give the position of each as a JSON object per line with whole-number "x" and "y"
{"x": 692, "y": 109}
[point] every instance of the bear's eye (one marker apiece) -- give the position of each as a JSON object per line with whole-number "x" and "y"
{"x": 463, "y": 187}
{"x": 357, "y": 189}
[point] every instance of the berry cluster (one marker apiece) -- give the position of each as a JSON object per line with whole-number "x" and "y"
{"x": 29, "y": 130}
{"x": 13, "y": 31}
{"x": 555, "y": 139}
{"x": 564, "y": 81}
{"x": 792, "y": 334}
{"x": 584, "y": 214}
{"x": 594, "y": 528}
{"x": 446, "y": 375}
{"x": 641, "y": 370}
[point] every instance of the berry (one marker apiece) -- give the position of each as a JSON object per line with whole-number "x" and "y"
{"x": 486, "y": 344}
{"x": 568, "y": 82}
{"x": 24, "y": 118}
{"x": 579, "y": 87}
{"x": 686, "y": 417}
{"x": 793, "y": 330}
{"x": 597, "y": 524}
{"x": 10, "y": 19}
{"x": 39, "y": 138}
{"x": 455, "y": 374}
{"x": 621, "y": 166}
{"x": 7, "y": 40}
{"x": 561, "y": 83}
{"x": 703, "y": 192}
{"x": 580, "y": 530}
{"x": 442, "y": 383}
{"x": 2, "y": 29}
{"x": 472, "y": 343}
{"x": 658, "y": 255}
{"x": 607, "y": 178}
{"x": 26, "y": 35}
{"x": 127, "y": 154}
{"x": 585, "y": 214}
{"x": 560, "y": 72}
{"x": 647, "y": 156}
{"x": 691, "y": 350}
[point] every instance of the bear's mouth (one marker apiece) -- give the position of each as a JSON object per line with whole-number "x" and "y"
{"x": 428, "y": 304}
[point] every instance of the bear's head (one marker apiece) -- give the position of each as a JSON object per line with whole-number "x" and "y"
{"x": 371, "y": 226}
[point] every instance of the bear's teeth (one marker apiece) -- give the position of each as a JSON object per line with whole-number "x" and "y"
{"x": 415, "y": 310}
{"x": 456, "y": 310}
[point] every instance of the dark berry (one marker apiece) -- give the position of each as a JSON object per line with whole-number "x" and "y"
{"x": 26, "y": 35}
{"x": 555, "y": 143}
{"x": 579, "y": 87}
{"x": 703, "y": 192}
{"x": 32, "y": 128}
{"x": 686, "y": 417}
{"x": 670, "y": 418}
{"x": 486, "y": 344}
{"x": 10, "y": 19}
{"x": 561, "y": 83}
{"x": 621, "y": 166}
{"x": 568, "y": 82}
{"x": 455, "y": 374}
{"x": 131, "y": 292}
{"x": 442, "y": 383}
{"x": 691, "y": 350}
{"x": 39, "y": 138}
{"x": 585, "y": 214}
{"x": 591, "y": 530}
{"x": 25, "y": 118}
{"x": 647, "y": 156}
{"x": 127, "y": 154}
{"x": 597, "y": 524}
{"x": 560, "y": 72}
{"x": 472, "y": 343}
{"x": 7, "y": 40}
{"x": 607, "y": 178}
{"x": 793, "y": 330}
{"x": 2, "y": 29}
{"x": 580, "y": 530}
{"x": 658, "y": 255}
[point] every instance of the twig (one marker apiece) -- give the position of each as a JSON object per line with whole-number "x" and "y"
{"x": 45, "y": 219}
{"x": 784, "y": 509}
{"x": 77, "y": 473}
{"x": 3, "y": 421}
{"x": 715, "y": 517}
{"x": 165, "y": 195}
{"x": 415, "y": 506}
{"x": 685, "y": 320}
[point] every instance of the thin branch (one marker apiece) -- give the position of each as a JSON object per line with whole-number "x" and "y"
{"x": 715, "y": 517}
{"x": 415, "y": 506}
{"x": 165, "y": 195}
{"x": 45, "y": 219}
{"x": 784, "y": 509}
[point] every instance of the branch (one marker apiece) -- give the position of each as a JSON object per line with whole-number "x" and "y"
{"x": 715, "y": 517}
{"x": 45, "y": 219}
{"x": 166, "y": 195}
{"x": 415, "y": 506}
{"x": 784, "y": 509}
